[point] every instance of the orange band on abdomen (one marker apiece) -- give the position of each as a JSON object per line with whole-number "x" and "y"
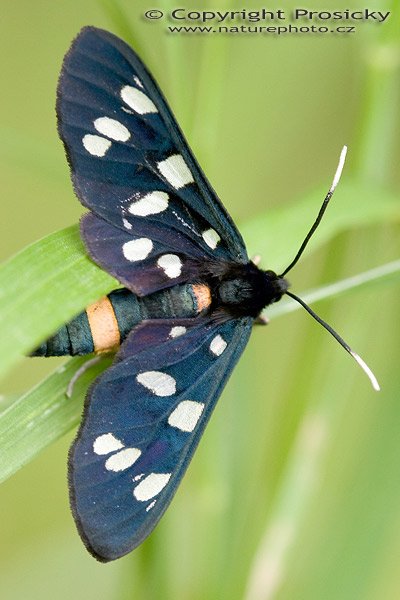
{"x": 202, "y": 294}
{"x": 103, "y": 325}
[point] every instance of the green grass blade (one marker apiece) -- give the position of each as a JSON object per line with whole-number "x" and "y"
{"x": 44, "y": 286}
{"x": 42, "y": 415}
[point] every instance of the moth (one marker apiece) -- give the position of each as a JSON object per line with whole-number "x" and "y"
{"x": 189, "y": 300}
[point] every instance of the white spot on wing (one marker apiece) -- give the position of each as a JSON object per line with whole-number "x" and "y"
{"x": 161, "y": 384}
{"x": 123, "y": 459}
{"x": 177, "y": 331}
{"x": 186, "y": 415}
{"x": 150, "y": 506}
{"x": 171, "y": 264}
{"x": 106, "y": 443}
{"x": 127, "y": 224}
{"x": 137, "y": 477}
{"x": 211, "y": 238}
{"x": 175, "y": 171}
{"x": 112, "y": 129}
{"x": 151, "y": 485}
{"x": 139, "y": 249}
{"x": 218, "y": 345}
{"x": 138, "y": 82}
{"x": 151, "y": 204}
{"x": 96, "y": 145}
{"x": 185, "y": 224}
{"x": 137, "y": 100}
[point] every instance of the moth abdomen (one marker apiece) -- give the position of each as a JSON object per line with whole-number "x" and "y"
{"x": 73, "y": 338}
{"x": 105, "y": 324}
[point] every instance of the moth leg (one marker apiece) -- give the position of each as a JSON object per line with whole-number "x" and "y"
{"x": 85, "y": 367}
{"x": 261, "y": 320}
{"x": 256, "y": 259}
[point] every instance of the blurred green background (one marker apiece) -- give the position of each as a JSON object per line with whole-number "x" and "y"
{"x": 294, "y": 492}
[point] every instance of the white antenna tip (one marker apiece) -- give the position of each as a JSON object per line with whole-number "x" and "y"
{"x": 367, "y": 370}
{"x": 339, "y": 169}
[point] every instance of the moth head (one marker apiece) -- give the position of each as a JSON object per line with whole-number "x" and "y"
{"x": 275, "y": 286}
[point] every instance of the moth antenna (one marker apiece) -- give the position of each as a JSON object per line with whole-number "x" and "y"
{"x": 338, "y": 338}
{"x": 321, "y": 210}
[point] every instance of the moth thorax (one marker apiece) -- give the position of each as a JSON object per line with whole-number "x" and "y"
{"x": 248, "y": 292}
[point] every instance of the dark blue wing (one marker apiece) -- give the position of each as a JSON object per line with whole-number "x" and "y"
{"x": 145, "y": 261}
{"x": 143, "y": 420}
{"x": 129, "y": 160}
